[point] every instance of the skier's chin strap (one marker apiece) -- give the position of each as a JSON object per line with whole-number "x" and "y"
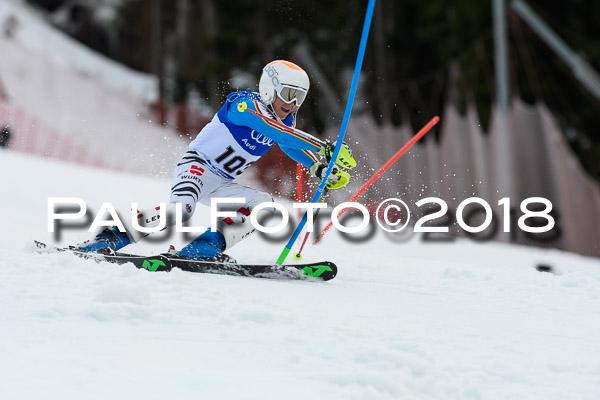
{"x": 294, "y": 112}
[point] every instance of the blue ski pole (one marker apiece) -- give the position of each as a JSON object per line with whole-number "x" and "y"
{"x": 338, "y": 145}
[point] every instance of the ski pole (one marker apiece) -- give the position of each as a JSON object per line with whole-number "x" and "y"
{"x": 298, "y": 255}
{"x": 359, "y": 60}
{"x": 384, "y": 168}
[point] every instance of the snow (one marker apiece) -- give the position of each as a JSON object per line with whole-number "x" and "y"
{"x": 407, "y": 319}
{"x": 61, "y": 107}
{"x": 33, "y": 32}
{"x": 410, "y": 320}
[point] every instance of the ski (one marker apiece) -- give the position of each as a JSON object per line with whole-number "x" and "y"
{"x": 324, "y": 271}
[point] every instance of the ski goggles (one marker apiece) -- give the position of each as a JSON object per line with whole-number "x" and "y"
{"x": 289, "y": 94}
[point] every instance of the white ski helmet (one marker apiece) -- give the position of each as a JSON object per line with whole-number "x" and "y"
{"x": 285, "y": 80}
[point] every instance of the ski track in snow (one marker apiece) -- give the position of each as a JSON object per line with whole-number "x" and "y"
{"x": 412, "y": 320}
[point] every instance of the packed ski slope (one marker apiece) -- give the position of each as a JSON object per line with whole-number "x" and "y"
{"x": 402, "y": 320}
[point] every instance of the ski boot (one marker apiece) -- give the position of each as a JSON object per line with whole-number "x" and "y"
{"x": 109, "y": 241}
{"x": 208, "y": 247}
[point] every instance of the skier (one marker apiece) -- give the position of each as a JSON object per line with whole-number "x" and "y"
{"x": 234, "y": 139}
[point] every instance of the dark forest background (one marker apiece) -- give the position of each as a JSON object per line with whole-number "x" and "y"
{"x": 420, "y": 56}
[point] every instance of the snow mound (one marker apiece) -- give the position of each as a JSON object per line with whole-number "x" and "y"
{"x": 413, "y": 320}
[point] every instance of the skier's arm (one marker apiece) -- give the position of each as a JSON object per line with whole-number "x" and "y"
{"x": 302, "y": 156}
{"x": 237, "y": 113}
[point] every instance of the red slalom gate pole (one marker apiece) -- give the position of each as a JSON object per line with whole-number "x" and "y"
{"x": 384, "y": 168}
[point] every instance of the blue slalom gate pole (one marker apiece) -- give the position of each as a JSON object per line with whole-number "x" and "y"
{"x": 338, "y": 146}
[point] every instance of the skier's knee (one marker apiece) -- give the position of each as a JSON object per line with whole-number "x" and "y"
{"x": 260, "y": 199}
{"x": 187, "y": 210}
